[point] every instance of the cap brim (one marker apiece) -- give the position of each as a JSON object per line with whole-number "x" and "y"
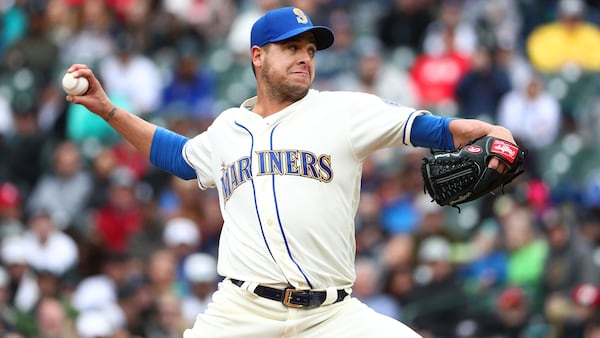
{"x": 323, "y": 36}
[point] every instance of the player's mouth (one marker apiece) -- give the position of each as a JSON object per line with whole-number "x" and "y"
{"x": 300, "y": 73}
{"x": 300, "y": 76}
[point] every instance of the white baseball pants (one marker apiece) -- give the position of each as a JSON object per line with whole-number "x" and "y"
{"x": 238, "y": 313}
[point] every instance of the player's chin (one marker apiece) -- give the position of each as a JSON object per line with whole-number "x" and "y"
{"x": 300, "y": 81}
{"x": 294, "y": 92}
{"x": 297, "y": 84}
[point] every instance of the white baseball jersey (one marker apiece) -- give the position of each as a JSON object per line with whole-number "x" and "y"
{"x": 289, "y": 184}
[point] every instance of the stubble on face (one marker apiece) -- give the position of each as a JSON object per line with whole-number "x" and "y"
{"x": 281, "y": 88}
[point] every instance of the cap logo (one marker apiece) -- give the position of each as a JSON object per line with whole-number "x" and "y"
{"x": 287, "y": 22}
{"x": 300, "y": 16}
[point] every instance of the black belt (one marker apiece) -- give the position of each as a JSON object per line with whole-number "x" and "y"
{"x": 294, "y": 297}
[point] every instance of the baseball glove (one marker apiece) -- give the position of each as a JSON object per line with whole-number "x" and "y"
{"x": 453, "y": 178}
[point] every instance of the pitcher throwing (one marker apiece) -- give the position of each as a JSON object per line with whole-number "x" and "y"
{"x": 287, "y": 167}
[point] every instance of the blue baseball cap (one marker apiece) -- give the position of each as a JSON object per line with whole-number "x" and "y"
{"x": 284, "y": 23}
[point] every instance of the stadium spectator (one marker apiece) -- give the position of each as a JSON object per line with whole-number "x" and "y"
{"x": 181, "y": 237}
{"x": 531, "y": 113}
{"x": 190, "y": 93}
{"x": 399, "y": 189}
{"x": 399, "y": 283}
{"x": 486, "y": 265}
{"x": 93, "y": 324}
{"x": 527, "y": 250}
{"x": 35, "y": 52}
{"x": 181, "y": 198}
{"x": 375, "y": 75}
{"x": 135, "y": 301}
{"x": 450, "y": 31}
{"x": 200, "y": 271}
{"x": 64, "y": 190}
{"x": 11, "y": 210}
{"x": 23, "y": 150}
{"x": 403, "y": 25}
{"x": 120, "y": 217}
{"x": 238, "y": 39}
{"x": 479, "y": 91}
{"x": 161, "y": 270}
{"x": 99, "y": 291}
{"x": 494, "y": 21}
{"x": 340, "y": 60}
{"x": 23, "y": 292}
{"x": 437, "y": 303}
{"x": 568, "y": 265}
{"x": 567, "y": 41}
{"x": 126, "y": 157}
{"x": 52, "y": 320}
{"x": 368, "y": 287}
{"x": 132, "y": 75}
{"x": 592, "y": 327}
{"x": 49, "y": 248}
{"x": 168, "y": 320}
{"x": 91, "y": 41}
{"x": 433, "y": 221}
{"x": 511, "y": 317}
{"x": 7, "y": 318}
{"x": 436, "y": 75}
{"x": 398, "y": 252}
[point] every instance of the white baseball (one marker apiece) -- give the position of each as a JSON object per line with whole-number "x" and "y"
{"x": 74, "y": 86}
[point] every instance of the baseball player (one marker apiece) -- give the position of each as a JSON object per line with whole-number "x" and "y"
{"x": 287, "y": 167}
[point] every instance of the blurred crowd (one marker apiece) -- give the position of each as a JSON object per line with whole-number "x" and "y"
{"x": 96, "y": 242}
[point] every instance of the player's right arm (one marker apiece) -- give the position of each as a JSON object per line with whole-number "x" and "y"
{"x": 162, "y": 147}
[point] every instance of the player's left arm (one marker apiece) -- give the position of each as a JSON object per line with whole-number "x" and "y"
{"x": 444, "y": 133}
{"x": 465, "y": 130}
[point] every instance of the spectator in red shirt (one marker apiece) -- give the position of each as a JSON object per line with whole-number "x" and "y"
{"x": 121, "y": 216}
{"x": 436, "y": 76}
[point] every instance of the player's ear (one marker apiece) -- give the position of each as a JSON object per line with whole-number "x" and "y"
{"x": 257, "y": 55}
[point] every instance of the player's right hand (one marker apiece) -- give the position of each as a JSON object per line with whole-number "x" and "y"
{"x": 95, "y": 99}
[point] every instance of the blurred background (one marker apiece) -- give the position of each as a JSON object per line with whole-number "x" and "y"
{"x": 96, "y": 242}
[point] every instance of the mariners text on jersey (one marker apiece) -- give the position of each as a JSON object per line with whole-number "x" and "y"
{"x": 300, "y": 163}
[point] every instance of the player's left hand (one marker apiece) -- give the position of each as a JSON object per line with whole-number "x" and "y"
{"x": 452, "y": 178}
{"x": 505, "y": 134}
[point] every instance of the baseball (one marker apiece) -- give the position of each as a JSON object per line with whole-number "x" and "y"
{"x": 74, "y": 86}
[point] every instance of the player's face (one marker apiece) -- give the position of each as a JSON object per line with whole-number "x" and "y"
{"x": 288, "y": 68}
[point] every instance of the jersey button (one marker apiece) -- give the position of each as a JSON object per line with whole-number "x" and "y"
{"x": 270, "y": 221}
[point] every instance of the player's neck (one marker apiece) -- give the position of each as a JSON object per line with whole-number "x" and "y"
{"x": 266, "y": 107}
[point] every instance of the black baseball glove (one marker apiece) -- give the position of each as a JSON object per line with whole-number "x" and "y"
{"x": 453, "y": 178}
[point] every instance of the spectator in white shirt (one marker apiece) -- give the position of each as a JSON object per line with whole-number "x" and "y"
{"x": 130, "y": 74}
{"x": 531, "y": 113}
{"x": 48, "y": 248}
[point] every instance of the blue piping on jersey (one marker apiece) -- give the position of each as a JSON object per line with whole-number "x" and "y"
{"x": 279, "y": 221}
{"x": 404, "y": 129}
{"x": 254, "y": 190}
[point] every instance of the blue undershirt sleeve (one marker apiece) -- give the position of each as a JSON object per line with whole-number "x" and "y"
{"x": 166, "y": 154}
{"x": 433, "y": 132}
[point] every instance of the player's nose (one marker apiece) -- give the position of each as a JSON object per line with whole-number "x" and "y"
{"x": 304, "y": 57}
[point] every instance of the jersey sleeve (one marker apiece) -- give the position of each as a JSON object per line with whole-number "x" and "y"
{"x": 197, "y": 153}
{"x": 375, "y": 123}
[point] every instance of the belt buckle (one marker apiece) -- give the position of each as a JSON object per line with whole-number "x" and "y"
{"x": 287, "y": 298}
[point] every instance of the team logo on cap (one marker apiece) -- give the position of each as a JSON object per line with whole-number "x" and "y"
{"x": 300, "y": 16}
